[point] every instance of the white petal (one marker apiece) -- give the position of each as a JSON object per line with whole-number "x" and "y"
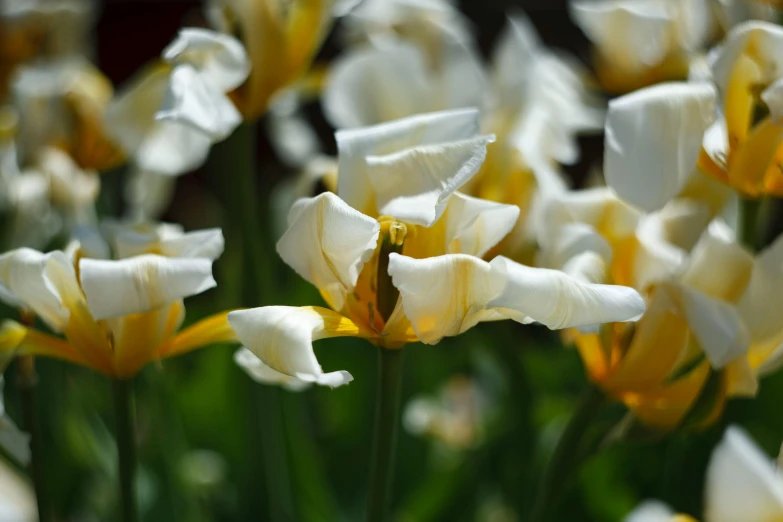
{"x": 142, "y": 283}
{"x": 356, "y": 145}
{"x": 651, "y": 511}
{"x": 148, "y": 194}
{"x": 414, "y": 185}
{"x": 373, "y": 85}
{"x": 171, "y": 148}
{"x": 714, "y": 323}
{"x": 191, "y": 100}
{"x": 446, "y": 295}
{"x": 208, "y": 244}
{"x": 653, "y": 138}
{"x": 263, "y": 374}
{"x": 513, "y": 59}
{"x": 573, "y": 239}
{"x": 473, "y": 225}
{"x": 129, "y": 241}
{"x": 742, "y": 482}
{"x": 282, "y": 337}
{"x": 718, "y": 265}
{"x": 219, "y": 57}
{"x": 24, "y": 282}
{"x": 764, "y": 40}
{"x": 633, "y": 35}
{"x": 587, "y": 267}
{"x": 328, "y": 242}
{"x": 761, "y": 303}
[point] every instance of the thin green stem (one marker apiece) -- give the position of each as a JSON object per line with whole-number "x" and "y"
{"x": 27, "y": 382}
{"x": 566, "y": 453}
{"x": 125, "y": 416}
{"x": 749, "y": 222}
{"x": 387, "y": 412}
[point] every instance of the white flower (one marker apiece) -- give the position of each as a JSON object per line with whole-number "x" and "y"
{"x": 396, "y": 254}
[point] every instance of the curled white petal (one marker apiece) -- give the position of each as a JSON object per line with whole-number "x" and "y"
{"x": 282, "y": 336}
{"x": 263, "y": 374}
{"x": 446, "y": 295}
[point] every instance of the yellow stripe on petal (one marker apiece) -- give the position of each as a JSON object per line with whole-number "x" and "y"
{"x": 213, "y": 329}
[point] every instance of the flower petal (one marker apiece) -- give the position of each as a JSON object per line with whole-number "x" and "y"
{"x": 446, "y": 295}
{"x": 193, "y": 101}
{"x": 328, "y": 242}
{"x": 263, "y": 374}
{"x": 24, "y": 283}
{"x": 651, "y": 511}
{"x": 474, "y": 225}
{"x": 715, "y": 324}
{"x": 414, "y": 185}
{"x": 356, "y": 145}
{"x": 761, "y": 303}
{"x": 219, "y": 57}
{"x": 142, "y": 283}
{"x": 742, "y": 482}
{"x": 653, "y": 139}
{"x": 282, "y": 337}
{"x": 373, "y": 85}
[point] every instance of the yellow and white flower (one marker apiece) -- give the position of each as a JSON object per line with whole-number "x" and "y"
{"x": 62, "y": 104}
{"x": 743, "y": 147}
{"x": 639, "y": 43}
{"x": 397, "y": 256}
{"x": 281, "y": 38}
{"x": 116, "y": 315}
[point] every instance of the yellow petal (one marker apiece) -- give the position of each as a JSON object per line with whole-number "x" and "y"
{"x": 26, "y": 341}
{"x": 749, "y": 164}
{"x": 213, "y": 329}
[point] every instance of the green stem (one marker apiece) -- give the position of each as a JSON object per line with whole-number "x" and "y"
{"x": 749, "y": 219}
{"x": 566, "y": 452}
{"x": 125, "y": 414}
{"x": 27, "y": 382}
{"x": 387, "y": 412}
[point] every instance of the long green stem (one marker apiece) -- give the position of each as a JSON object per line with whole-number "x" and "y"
{"x": 566, "y": 452}
{"x": 387, "y": 412}
{"x": 749, "y": 223}
{"x": 125, "y": 415}
{"x": 27, "y": 381}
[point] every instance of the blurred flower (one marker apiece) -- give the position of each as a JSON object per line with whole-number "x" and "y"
{"x": 172, "y": 112}
{"x": 116, "y": 315}
{"x": 733, "y": 12}
{"x": 652, "y": 511}
{"x": 31, "y": 29}
{"x": 742, "y": 484}
{"x": 17, "y": 499}
{"x": 281, "y": 39}
{"x": 204, "y": 469}
{"x": 743, "y": 147}
{"x": 455, "y": 417}
{"x": 642, "y": 43}
{"x": 62, "y": 104}
{"x": 399, "y": 242}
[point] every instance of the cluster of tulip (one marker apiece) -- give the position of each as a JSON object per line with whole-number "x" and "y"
{"x": 445, "y": 206}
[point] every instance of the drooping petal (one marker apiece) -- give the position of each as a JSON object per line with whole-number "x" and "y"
{"x": 414, "y": 185}
{"x": 282, "y": 337}
{"x": 374, "y": 85}
{"x": 263, "y": 374}
{"x": 742, "y": 482}
{"x": 218, "y": 57}
{"x": 716, "y": 324}
{"x": 446, "y": 295}
{"x": 24, "y": 283}
{"x": 172, "y": 149}
{"x": 653, "y": 139}
{"x": 191, "y": 100}
{"x": 356, "y": 145}
{"x": 142, "y": 283}
{"x": 328, "y": 242}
